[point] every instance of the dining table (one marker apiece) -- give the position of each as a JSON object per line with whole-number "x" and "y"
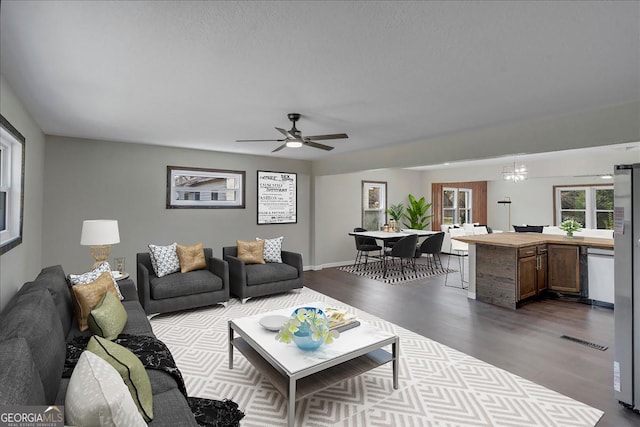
{"x": 390, "y": 236}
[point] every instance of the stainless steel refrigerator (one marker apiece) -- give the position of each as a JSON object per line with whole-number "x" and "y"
{"x": 626, "y": 219}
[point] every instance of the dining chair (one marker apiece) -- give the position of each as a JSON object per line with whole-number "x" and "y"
{"x": 431, "y": 246}
{"x": 365, "y": 245}
{"x": 461, "y": 250}
{"x": 480, "y": 230}
{"x": 403, "y": 249}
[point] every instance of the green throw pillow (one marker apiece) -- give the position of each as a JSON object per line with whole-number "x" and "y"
{"x": 107, "y": 319}
{"x": 130, "y": 369}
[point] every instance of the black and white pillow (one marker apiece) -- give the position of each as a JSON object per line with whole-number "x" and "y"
{"x": 91, "y": 276}
{"x": 272, "y": 249}
{"x": 164, "y": 259}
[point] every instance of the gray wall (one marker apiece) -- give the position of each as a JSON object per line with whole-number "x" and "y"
{"x": 86, "y": 179}
{"x": 338, "y": 201}
{"x": 23, "y": 262}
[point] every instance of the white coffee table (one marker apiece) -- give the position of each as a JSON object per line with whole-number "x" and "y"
{"x": 296, "y": 373}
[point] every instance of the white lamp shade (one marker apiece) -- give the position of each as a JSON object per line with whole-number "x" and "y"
{"x": 97, "y": 232}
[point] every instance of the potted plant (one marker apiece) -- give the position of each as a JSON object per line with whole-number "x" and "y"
{"x": 570, "y": 226}
{"x": 416, "y": 213}
{"x": 308, "y": 328}
{"x": 396, "y": 212}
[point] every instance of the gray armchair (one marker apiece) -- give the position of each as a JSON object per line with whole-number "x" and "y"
{"x": 256, "y": 280}
{"x": 180, "y": 291}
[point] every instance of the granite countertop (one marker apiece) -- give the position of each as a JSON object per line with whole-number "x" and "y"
{"x": 518, "y": 240}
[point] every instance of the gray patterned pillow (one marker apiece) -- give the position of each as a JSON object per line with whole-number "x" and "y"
{"x": 164, "y": 259}
{"x": 272, "y": 249}
{"x": 91, "y": 276}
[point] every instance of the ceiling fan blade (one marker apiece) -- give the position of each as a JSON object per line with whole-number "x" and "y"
{"x": 316, "y": 145}
{"x": 280, "y": 148}
{"x": 259, "y": 140}
{"x": 331, "y": 136}
{"x": 285, "y": 133}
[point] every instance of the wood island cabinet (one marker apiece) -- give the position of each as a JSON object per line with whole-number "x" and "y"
{"x": 527, "y": 284}
{"x": 543, "y": 257}
{"x": 512, "y": 268}
{"x": 532, "y": 271}
{"x": 564, "y": 268}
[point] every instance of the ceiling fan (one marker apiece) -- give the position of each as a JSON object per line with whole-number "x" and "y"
{"x": 293, "y": 138}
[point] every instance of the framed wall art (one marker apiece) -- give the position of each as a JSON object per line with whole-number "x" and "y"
{"x": 199, "y": 188}
{"x": 277, "y": 197}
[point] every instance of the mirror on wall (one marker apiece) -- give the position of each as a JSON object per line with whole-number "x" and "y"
{"x": 374, "y": 204}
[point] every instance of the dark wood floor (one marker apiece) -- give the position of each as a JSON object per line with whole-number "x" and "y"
{"x": 525, "y": 342}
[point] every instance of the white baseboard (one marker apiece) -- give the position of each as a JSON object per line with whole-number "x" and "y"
{"x": 328, "y": 265}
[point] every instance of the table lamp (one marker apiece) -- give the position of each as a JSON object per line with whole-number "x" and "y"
{"x": 100, "y": 234}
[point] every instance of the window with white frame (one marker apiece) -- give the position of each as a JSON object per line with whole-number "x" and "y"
{"x": 374, "y": 204}
{"x": 456, "y": 205}
{"x": 591, "y": 206}
{"x": 11, "y": 185}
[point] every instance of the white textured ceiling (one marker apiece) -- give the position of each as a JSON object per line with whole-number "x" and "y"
{"x": 202, "y": 74}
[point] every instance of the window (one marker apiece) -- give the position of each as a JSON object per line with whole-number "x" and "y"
{"x": 591, "y": 206}
{"x": 11, "y": 185}
{"x": 374, "y": 204}
{"x": 456, "y": 205}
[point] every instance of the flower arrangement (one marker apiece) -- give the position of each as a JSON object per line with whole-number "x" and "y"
{"x": 309, "y": 324}
{"x": 570, "y": 226}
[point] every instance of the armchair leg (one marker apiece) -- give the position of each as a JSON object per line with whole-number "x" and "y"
{"x": 224, "y": 303}
{"x": 152, "y": 315}
{"x": 243, "y": 300}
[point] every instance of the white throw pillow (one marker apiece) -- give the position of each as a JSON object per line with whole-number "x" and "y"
{"x": 91, "y": 276}
{"x": 97, "y": 396}
{"x": 164, "y": 259}
{"x": 272, "y": 249}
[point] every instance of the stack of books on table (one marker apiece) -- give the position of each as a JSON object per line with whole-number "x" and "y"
{"x": 341, "y": 320}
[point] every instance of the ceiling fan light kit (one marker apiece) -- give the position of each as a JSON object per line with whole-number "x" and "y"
{"x": 293, "y": 138}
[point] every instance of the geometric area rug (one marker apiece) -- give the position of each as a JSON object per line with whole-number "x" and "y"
{"x": 438, "y": 386}
{"x": 375, "y": 270}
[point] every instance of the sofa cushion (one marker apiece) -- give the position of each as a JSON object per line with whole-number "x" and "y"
{"x": 87, "y": 296}
{"x": 21, "y": 384}
{"x": 107, "y": 319}
{"x": 90, "y": 276}
{"x": 172, "y": 409}
{"x": 54, "y": 279}
{"x": 130, "y": 369}
{"x": 34, "y": 316}
{"x": 164, "y": 259}
{"x": 267, "y": 273}
{"x": 96, "y": 395}
{"x": 137, "y": 321}
{"x": 251, "y": 252}
{"x": 191, "y": 257}
{"x": 272, "y": 249}
{"x": 181, "y": 284}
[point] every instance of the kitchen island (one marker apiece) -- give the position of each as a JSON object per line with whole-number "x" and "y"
{"x": 508, "y": 269}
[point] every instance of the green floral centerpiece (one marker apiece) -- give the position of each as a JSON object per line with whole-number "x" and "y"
{"x": 308, "y": 328}
{"x": 570, "y": 226}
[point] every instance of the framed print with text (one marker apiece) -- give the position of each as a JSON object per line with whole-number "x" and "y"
{"x": 277, "y": 197}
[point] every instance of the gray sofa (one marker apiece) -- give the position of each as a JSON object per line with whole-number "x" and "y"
{"x": 256, "y": 280}
{"x": 180, "y": 291}
{"x": 34, "y": 329}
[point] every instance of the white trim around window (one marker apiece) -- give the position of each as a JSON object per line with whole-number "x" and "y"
{"x": 12, "y": 152}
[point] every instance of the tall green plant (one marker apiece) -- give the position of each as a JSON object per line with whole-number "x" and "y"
{"x": 416, "y": 213}
{"x": 396, "y": 212}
